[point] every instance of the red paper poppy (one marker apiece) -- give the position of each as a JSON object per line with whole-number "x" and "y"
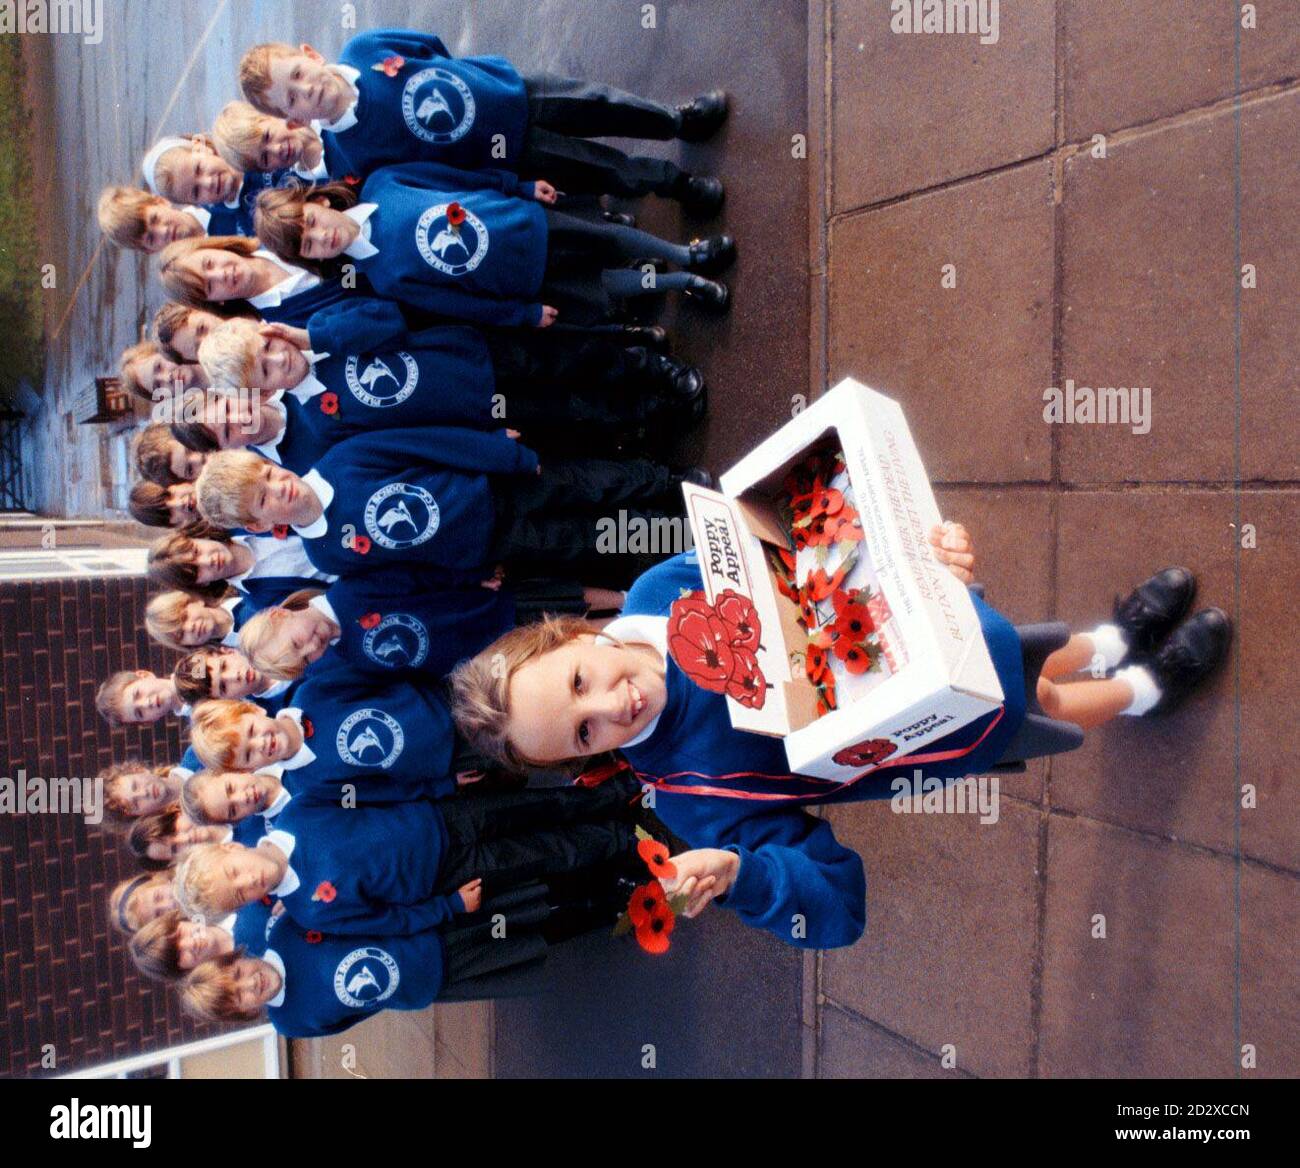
{"x": 846, "y": 527}
{"x": 352, "y": 180}
{"x": 867, "y": 753}
{"x": 280, "y": 531}
{"x": 852, "y": 620}
{"x": 361, "y": 544}
{"x": 856, "y": 659}
{"x": 370, "y": 620}
{"x": 747, "y": 684}
{"x": 646, "y": 899}
{"x": 389, "y": 66}
{"x": 820, "y": 586}
{"x": 828, "y": 501}
{"x": 815, "y": 663}
{"x": 740, "y": 616}
{"x": 329, "y": 403}
{"x": 266, "y": 900}
{"x": 314, "y": 936}
{"x": 691, "y": 602}
{"x": 325, "y": 892}
{"x": 654, "y": 935}
{"x": 700, "y": 646}
{"x": 656, "y": 859}
{"x": 455, "y": 214}
{"x": 307, "y": 728}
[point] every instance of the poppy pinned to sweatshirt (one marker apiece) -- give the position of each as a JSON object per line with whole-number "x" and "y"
{"x": 389, "y": 66}
{"x": 329, "y": 403}
{"x": 325, "y": 892}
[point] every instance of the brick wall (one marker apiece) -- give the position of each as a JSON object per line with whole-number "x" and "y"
{"x": 67, "y": 977}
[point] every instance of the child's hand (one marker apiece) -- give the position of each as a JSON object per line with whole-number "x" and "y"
{"x": 465, "y": 778}
{"x": 548, "y": 316}
{"x": 512, "y": 434}
{"x": 472, "y": 895}
{"x": 297, "y": 337}
{"x": 953, "y": 546}
{"x": 702, "y": 875}
{"x": 543, "y": 192}
{"x": 494, "y": 581}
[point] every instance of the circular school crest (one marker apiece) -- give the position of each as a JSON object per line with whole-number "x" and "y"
{"x": 366, "y": 976}
{"x": 370, "y": 738}
{"x": 401, "y": 515}
{"x": 437, "y": 106}
{"x": 386, "y": 380}
{"x": 452, "y": 250}
{"x": 399, "y": 641}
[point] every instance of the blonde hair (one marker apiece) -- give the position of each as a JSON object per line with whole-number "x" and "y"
{"x": 164, "y": 618}
{"x": 137, "y": 352}
{"x": 480, "y": 687}
{"x": 119, "y": 900}
{"x": 228, "y": 353}
{"x": 224, "y": 485}
{"x": 185, "y": 286}
{"x": 192, "y": 799}
{"x": 255, "y": 74}
{"x": 162, "y": 171}
{"x": 155, "y": 947}
{"x": 121, "y": 212}
{"x": 214, "y": 730}
{"x": 258, "y": 630}
{"x": 211, "y": 993}
{"x": 237, "y": 135}
{"x": 111, "y": 692}
{"x": 198, "y": 885}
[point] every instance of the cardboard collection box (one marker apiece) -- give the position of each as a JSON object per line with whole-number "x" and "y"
{"x": 939, "y": 676}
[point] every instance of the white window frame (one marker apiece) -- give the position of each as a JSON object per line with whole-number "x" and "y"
{"x": 172, "y": 1056}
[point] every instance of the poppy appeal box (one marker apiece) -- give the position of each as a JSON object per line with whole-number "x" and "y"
{"x": 827, "y": 618}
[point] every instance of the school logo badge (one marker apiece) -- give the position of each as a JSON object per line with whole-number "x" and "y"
{"x": 437, "y": 106}
{"x": 370, "y": 738}
{"x": 399, "y": 641}
{"x": 401, "y": 515}
{"x": 452, "y": 250}
{"x": 383, "y": 381}
{"x": 366, "y": 976}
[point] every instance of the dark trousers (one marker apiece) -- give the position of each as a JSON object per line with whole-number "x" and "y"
{"x": 559, "y": 522}
{"x": 483, "y": 961}
{"x": 508, "y": 838}
{"x": 563, "y": 113}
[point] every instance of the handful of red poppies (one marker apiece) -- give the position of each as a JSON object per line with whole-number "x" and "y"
{"x": 716, "y": 645}
{"x": 651, "y": 912}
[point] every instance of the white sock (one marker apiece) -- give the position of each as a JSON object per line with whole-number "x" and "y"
{"x": 1108, "y": 643}
{"x": 1145, "y": 691}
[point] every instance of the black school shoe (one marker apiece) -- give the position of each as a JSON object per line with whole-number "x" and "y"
{"x": 712, "y": 255}
{"x": 700, "y": 196}
{"x": 1190, "y": 654}
{"x": 652, "y": 336}
{"x": 712, "y": 294}
{"x": 1147, "y": 614}
{"x": 672, "y": 378}
{"x": 699, "y": 120}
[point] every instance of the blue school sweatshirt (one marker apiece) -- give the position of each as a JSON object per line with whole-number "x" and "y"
{"x": 404, "y": 620}
{"x": 298, "y": 309}
{"x": 437, "y": 107}
{"x": 364, "y": 323}
{"x": 251, "y": 924}
{"x": 488, "y": 270}
{"x": 790, "y": 862}
{"x": 363, "y": 869}
{"x": 417, "y": 495}
{"x": 390, "y": 740}
{"x": 301, "y": 443}
{"x": 330, "y": 982}
{"x": 446, "y": 379}
{"x": 238, "y": 220}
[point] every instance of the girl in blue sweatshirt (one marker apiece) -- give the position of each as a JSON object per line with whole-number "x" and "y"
{"x": 399, "y": 95}
{"x": 480, "y": 246}
{"x": 462, "y": 501}
{"x": 569, "y": 694}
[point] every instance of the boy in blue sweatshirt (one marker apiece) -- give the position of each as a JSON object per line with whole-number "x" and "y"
{"x": 222, "y": 671}
{"x": 480, "y": 246}
{"x": 263, "y": 568}
{"x": 443, "y": 375}
{"x": 398, "y": 95}
{"x": 462, "y": 501}
{"x": 410, "y": 866}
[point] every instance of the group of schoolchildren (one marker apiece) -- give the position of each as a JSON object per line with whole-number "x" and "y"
{"x": 397, "y": 344}
{"x": 397, "y": 330}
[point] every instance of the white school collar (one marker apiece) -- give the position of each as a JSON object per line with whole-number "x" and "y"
{"x": 280, "y": 802}
{"x": 319, "y": 172}
{"x": 321, "y": 604}
{"x": 325, "y": 493}
{"x": 645, "y": 629}
{"x": 273, "y": 959}
{"x": 348, "y": 118}
{"x": 311, "y": 385}
{"x": 271, "y": 448}
{"x": 305, "y": 754}
{"x": 202, "y": 214}
{"x": 274, "y": 690}
{"x": 286, "y": 843}
{"x": 296, "y": 280}
{"x": 361, "y": 248}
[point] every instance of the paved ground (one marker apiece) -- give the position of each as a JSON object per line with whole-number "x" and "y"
{"x": 926, "y": 151}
